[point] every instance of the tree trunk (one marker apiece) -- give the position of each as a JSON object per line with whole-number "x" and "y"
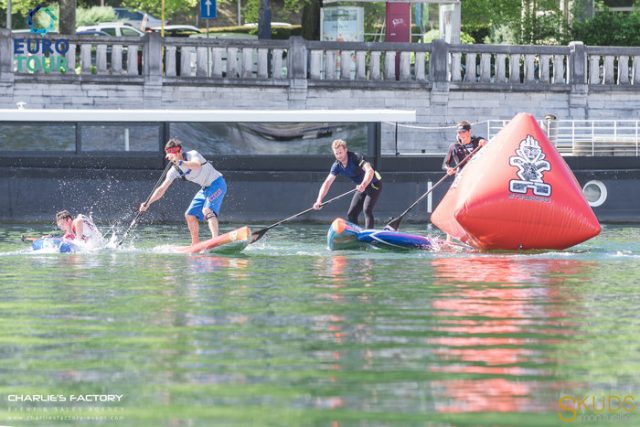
{"x": 264, "y": 20}
{"x": 311, "y": 20}
{"x": 68, "y": 17}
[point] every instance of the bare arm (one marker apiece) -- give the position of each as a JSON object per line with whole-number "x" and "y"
{"x": 324, "y": 189}
{"x": 368, "y": 177}
{"x": 156, "y": 195}
{"x": 79, "y": 227}
{"x": 447, "y": 163}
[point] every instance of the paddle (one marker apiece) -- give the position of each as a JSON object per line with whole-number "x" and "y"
{"x": 134, "y": 222}
{"x": 258, "y": 234}
{"x": 394, "y": 224}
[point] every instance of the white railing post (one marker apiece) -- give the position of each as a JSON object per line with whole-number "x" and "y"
{"x": 593, "y": 138}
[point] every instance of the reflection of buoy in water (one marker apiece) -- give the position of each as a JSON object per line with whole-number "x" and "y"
{"x": 517, "y": 193}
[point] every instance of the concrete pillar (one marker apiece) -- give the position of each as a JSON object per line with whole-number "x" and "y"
{"x": 577, "y": 63}
{"x": 152, "y": 70}
{"x": 6, "y": 56}
{"x": 439, "y": 73}
{"x": 438, "y": 64}
{"x": 578, "y": 97}
{"x": 297, "y": 58}
{"x": 152, "y": 54}
{"x": 297, "y": 70}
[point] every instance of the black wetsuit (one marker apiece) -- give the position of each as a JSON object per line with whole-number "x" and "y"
{"x": 457, "y": 152}
{"x": 361, "y": 201}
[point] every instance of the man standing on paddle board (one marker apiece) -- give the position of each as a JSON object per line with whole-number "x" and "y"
{"x": 81, "y": 229}
{"x": 460, "y": 149}
{"x": 369, "y": 182}
{"x": 191, "y": 166}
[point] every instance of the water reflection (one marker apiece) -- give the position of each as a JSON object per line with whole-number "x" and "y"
{"x": 210, "y": 264}
{"x": 496, "y": 316}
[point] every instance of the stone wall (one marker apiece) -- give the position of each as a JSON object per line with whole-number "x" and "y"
{"x": 443, "y": 83}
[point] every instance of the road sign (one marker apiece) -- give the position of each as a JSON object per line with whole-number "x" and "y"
{"x": 207, "y": 9}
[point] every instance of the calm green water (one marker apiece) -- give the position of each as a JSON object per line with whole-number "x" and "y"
{"x": 290, "y": 334}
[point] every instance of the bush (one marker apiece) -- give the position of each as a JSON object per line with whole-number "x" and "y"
{"x": 94, "y": 15}
{"x": 501, "y": 34}
{"x": 435, "y": 34}
{"x": 278, "y": 33}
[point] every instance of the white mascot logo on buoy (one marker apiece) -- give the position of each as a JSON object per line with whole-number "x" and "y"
{"x": 531, "y": 164}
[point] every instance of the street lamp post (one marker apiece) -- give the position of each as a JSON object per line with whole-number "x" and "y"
{"x": 8, "y": 14}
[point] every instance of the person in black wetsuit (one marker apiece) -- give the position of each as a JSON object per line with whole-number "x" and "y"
{"x": 460, "y": 149}
{"x": 360, "y": 171}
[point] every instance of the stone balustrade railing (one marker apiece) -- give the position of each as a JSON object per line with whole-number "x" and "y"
{"x": 277, "y": 62}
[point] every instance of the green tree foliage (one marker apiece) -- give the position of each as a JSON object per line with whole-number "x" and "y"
{"x": 19, "y": 8}
{"x": 519, "y": 21}
{"x": 154, "y": 7}
{"x": 609, "y": 29}
{"x": 493, "y": 12}
{"x": 94, "y": 15}
{"x": 251, "y": 8}
{"x": 435, "y": 34}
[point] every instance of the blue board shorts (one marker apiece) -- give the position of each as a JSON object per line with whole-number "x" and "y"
{"x": 209, "y": 197}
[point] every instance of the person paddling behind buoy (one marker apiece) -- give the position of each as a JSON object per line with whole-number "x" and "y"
{"x": 192, "y": 166}
{"x": 81, "y": 229}
{"x": 463, "y": 147}
{"x": 369, "y": 187}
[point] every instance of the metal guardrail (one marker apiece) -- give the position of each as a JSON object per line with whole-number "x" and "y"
{"x": 587, "y": 137}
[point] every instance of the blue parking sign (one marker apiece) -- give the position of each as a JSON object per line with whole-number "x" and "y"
{"x": 207, "y": 9}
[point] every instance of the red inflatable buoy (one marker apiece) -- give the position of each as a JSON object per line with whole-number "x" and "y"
{"x": 517, "y": 193}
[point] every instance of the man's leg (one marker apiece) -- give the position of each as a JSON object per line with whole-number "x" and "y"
{"x": 194, "y": 228}
{"x": 369, "y": 203}
{"x": 193, "y": 215}
{"x": 356, "y": 207}
{"x": 212, "y": 220}
{"x": 214, "y": 195}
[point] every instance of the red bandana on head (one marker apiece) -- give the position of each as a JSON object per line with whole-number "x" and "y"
{"x": 173, "y": 150}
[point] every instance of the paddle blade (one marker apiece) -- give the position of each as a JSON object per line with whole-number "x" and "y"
{"x": 394, "y": 224}
{"x": 258, "y": 235}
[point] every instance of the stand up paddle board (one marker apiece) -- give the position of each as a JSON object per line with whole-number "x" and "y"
{"x": 346, "y": 235}
{"x": 54, "y": 244}
{"x": 231, "y": 242}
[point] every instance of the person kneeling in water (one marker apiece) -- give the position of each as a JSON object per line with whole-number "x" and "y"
{"x": 80, "y": 229}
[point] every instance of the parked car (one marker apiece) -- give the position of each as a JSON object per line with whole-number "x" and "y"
{"x": 178, "y": 30}
{"x": 136, "y": 18}
{"x": 273, "y": 24}
{"x": 92, "y": 33}
{"x": 114, "y": 29}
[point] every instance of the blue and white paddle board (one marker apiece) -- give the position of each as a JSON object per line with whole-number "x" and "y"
{"x": 54, "y": 244}
{"x": 346, "y": 235}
